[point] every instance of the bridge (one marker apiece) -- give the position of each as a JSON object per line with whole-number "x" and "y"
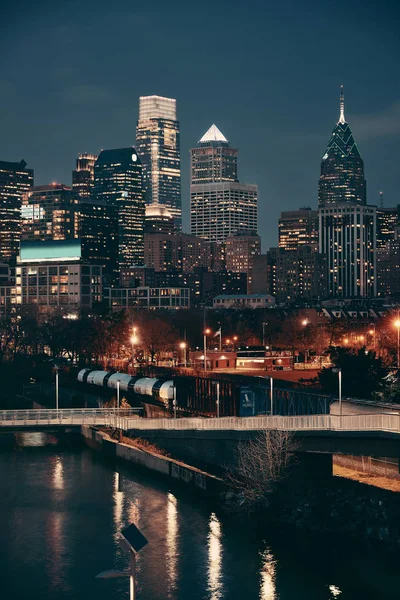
{"x": 42, "y": 419}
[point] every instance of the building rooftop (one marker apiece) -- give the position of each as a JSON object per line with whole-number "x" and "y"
{"x": 157, "y": 210}
{"x": 213, "y": 135}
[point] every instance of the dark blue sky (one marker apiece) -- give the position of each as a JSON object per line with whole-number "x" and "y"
{"x": 266, "y": 72}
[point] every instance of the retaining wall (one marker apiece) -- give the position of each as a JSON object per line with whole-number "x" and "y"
{"x": 144, "y": 459}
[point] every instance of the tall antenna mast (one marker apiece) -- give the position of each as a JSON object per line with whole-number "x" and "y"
{"x": 341, "y": 118}
{"x": 381, "y": 197}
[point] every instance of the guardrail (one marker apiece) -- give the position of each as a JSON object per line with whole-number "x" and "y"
{"x": 375, "y": 422}
{"x": 66, "y": 416}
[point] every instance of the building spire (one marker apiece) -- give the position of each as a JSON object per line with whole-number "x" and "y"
{"x": 341, "y": 118}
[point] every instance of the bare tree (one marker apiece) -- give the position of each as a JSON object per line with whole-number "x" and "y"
{"x": 261, "y": 464}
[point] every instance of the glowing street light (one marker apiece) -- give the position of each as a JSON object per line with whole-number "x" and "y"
{"x": 183, "y": 347}
{"x": 304, "y": 322}
{"x": 206, "y": 332}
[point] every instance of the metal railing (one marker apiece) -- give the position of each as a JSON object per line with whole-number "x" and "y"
{"x": 374, "y": 422}
{"x": 66, "y": 416}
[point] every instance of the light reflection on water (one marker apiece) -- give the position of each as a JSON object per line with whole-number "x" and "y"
{"x": 61, "y": 515}
{"x": 267, "y": 576}
{"x": 214, "y": 558}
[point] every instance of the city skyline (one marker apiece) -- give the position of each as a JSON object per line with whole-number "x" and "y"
{"x": 274, "y": 120}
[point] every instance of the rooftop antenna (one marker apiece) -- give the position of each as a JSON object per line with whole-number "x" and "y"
{"x": 341, "y": 118}
{"x": 381, "y": 197}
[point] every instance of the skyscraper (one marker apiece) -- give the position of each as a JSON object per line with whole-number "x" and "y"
{"x": 342, "y": 168}
{"x": 118, "y": 181}
{"x": 220, "y": 206}
{"x": 48, "y": 213}
{"x": 83, "y": 176}
{"x": 347, "y": 227}
{"x": 158, "y": 146}
{"x": 15, "y": 180}
{"x": 298, "y": 228}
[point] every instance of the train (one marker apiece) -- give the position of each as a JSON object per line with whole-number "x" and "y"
{"x": 156, "y": 391}
{"x": 207, "y": 394}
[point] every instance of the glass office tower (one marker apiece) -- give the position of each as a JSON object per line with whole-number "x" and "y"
{"x": 118, "y": 181}
{"x": 158, "y": 146}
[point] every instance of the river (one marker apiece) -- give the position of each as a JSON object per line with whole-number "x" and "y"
{"x": 61, "y": 510}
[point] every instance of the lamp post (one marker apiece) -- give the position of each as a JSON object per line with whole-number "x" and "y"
{"x": 264, "y": 326}
{"x": 271, "y": 381}
{"x": 339, "y": 372}
{"x": 217, "y": 399}
{"x": 397, "y": 325}
{"x": 57, "y": 369}
{"x": 133, "y": 342}
{"x": 183, "y": 347}
{"x": 132, "y": 541}
{"x": 206, "y": 331}
{"x": 117, "y": 393}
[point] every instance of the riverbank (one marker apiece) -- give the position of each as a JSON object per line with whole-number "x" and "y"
{"x": 334, "y": 506}
{"x": 147, "y": 458}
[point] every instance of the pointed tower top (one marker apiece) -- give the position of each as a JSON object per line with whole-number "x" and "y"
{"x": 213, "y": 135}
{"x": 341, "y": 118}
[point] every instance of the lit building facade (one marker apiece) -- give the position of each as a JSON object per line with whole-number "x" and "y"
{"x": 220, "y": 205}
{"x": 83, "y": 175}
{"x": 347, "y": 226}
{"x": 48, "y": 212}
{"x": 15, "y": 180}
{"x": 158, "y": 219}
{"x": 158, "y": 145}
{"x": 342, "y": 168}
{"x": 300, "y": 274}
{"x": 347, "y": 235}
{"x": 240, "y": 251}
{"x": 387, "y": 221}
{"x": 298, "y": 228}
{"x": 147, "y": 298}
{"x": 118, "y": 182}
{"x": 181, "y": 252}
{"x": 53, "y": 275}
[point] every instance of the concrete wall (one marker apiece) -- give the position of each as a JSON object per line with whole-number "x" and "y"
{"x": 161, "y": 465}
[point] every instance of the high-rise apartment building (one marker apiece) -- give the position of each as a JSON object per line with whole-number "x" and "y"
{"x": 241, "y": 249}
{"x": 83, "y": 176}
{"x": 300, "y": 274}
{"x": 158, "y": 146}
{"x": 342, "y": 168}
{"x": 158, "y": 219}
{"x": 118, "y": 181}
{"x": 348, "y": 238}
{"x": 347, "y": 227}
{"x": 15, "y": 180}
{"x": 48, "y": 213}
{"x": 298, "y": 228}
{"x": 220, "y": 206}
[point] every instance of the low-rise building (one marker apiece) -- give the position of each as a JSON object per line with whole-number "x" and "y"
{"x": 146, "y": 297}
{"x": 241, "y": 301}
{"x": 53, "y": 275}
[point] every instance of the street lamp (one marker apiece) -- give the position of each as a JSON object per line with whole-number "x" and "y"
{"x": 57, "y": 368}
{"x": 117, "y": 393}
{"x": 132, "y": 541}
{"x": 206, "y": 332}
{"x": 397, "y": 325}
{"x": 183, "y": 347}
{"x": 339, "y": 372}
{"x": 133, "y": 342}
{"x": 271, "y": 381}
{"x": 264, "y": 326}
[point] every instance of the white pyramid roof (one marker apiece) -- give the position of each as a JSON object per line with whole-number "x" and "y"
{"x": 213, "y": 135}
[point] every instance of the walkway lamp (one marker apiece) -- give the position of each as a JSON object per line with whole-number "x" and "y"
{"x": 183, "y": 347}
{"x": 117, "y": 393}
{"x": 339, "y": 372}
{"x": 57, "y": 368}
{"x": 271, "y": 391}
{"x": 206, "y": 332}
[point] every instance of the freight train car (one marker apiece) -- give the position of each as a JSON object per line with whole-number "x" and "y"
{"x": 147, "y": 389}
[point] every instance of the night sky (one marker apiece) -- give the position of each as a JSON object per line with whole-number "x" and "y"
{"x": 266, "y": 72}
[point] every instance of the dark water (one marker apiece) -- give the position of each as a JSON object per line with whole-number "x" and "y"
{"x": 61, "y": 511}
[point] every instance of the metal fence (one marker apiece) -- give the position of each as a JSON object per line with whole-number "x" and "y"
{"x": 374, "y": 422}
{"x": 65, "y": 416}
